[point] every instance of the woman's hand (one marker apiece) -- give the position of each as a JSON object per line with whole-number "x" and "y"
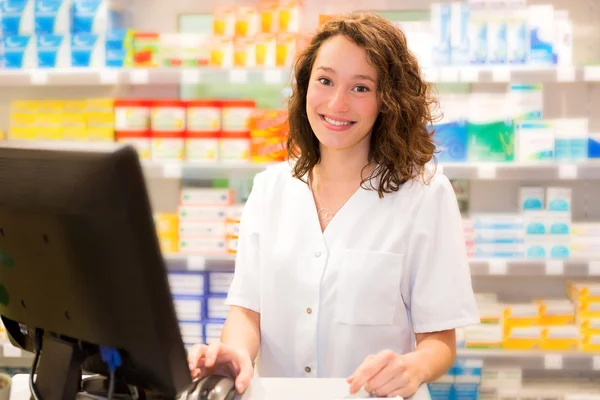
{"x": 221, "y": 359}
{"x": 388, "y": 374}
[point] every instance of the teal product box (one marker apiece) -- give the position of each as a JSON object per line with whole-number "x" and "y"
{"x": 594, "y": 145}
{"x": 531, "y": 198}
{"x": 451, "y": 141}
{"x": 88, "y": 50}
{"x": 52, "y": 17}
{"x": 493, "y": 141}
{"x": 442, "y": 389}
{"x": 16, "y": 17}
{"x": 440, "y": 24}
{"x": 19, "y": 52}
{"x": 53, "y": 51}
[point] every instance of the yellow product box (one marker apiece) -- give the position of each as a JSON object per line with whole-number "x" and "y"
{"x": 515, "y": 315}
{"x": 247, "y": 21}
{"x": 49, "y": 126}
{"x": 100, "y": 105}
{"x": 590, "y": 343}
{"x": 561, "y": 338}
{"x": 589, "y": 325}
{"x": 269, "y": 16}
{"x": 51, "y": 107}
{"x": 74, "y": 106}
{"x": 556, "y": 312}
{"x": 224, "y": 20}
{"x": 167, "y": 224}
{"x": 286, "y": 49}
{"x": 483, "y": 337}
{"x": 221, "y": 52}
{"x": 74, "y": 126}
{"x": 584, "y": 291}
{"x": 490, "y": 312}
{"x": 588, "y": 309}
{"x": 266, "y": 49}
{"x": 100, "y": 126}
{"x": 2, "y": 136}
{"x": 523, "y": 338}
{"x": 289, "y": 14}
{"x": 244, "y": 52}
{"x": 24, "y": 107}
{"x": 169, "y": 244}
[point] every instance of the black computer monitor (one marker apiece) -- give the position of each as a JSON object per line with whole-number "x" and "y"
{"x": 81, "y": 269}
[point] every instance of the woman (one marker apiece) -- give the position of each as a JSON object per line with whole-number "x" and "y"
{"x": 351, "y": 258}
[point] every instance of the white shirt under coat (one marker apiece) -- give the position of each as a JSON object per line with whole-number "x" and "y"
{"x": 383, "y": 270}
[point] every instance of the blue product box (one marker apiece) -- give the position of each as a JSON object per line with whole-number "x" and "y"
{"x": 116, "y": 47}
{"x": 52, "y": 16}
{"x": 219, "y": 282}
{"x": 190, "y": 308}
{"x": 16, "y": 17}
{"x": 88, "y": 50}
{"x": 19, "y": 52}
{"x": 594, "y": 145}
{"x": 53, "y": 51}
{"x": 451, "y": 141}
{"x": 95, "y": 16}
{"x": 187, "y": 283}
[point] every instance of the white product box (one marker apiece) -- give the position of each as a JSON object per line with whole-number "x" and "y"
{"x": 517, "y": 34}
{"x": 216, "y": 307}
{"x": 188, "y": 309}
{"x": 202, "y": 213}
{"x": 459, "y": 33}
{"x": 187, "y": 284}
{"x": 201, "y": 245}
{"x": 202, "y": 229}
{"x": 207, "y": 196}
{"x": 558, "y": 199}
{"x": 531, "y": 198}
{"x": 478, "y": 32}
{"x": 541, "y": 34}
{"x": 440, "y": 25}
{"x": 191, "y": 332}
{"x": 535, "y": 141}
{"x": 219, "y": 282}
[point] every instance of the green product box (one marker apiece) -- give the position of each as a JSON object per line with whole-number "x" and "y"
{"x": 492, "y": 141}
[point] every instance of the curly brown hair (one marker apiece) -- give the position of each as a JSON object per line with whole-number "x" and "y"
{"x": 402, "y": 137}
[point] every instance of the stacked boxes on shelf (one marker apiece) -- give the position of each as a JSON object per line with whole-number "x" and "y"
{"x": 167, "y": 230}
{"x": 570, "y": 324}
{"x": 461, "y": 382}
{"x": 199, "y": 299}
{"x": 69, "y": 120}
{"x": 208, "y": 221}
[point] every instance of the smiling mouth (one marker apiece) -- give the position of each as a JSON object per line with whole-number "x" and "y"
{"x": 336, "y": 122}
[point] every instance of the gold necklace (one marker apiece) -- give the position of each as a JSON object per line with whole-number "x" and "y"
{"x": 322, "y": 212}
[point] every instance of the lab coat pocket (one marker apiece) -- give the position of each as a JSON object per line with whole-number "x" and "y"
{"x": 368, "y": 287}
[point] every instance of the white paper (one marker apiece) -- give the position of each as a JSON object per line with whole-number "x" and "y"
{"x": 553, "y": 361}
{"x": 237, "y": 75}
{"x": 190, "y": 77}
{"x": 486, "y": 171}
{"x": 109, "y": 76}
{"x": 565, "y": 74}
{"x": 498, "y": 267}
{"x": 139, "y": 76}
{"x": 39, "y": 78}
{"x": 555, "y": 268}
{"x": 567, "y": 171}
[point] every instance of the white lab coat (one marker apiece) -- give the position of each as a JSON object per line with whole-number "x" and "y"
{"x": 383, "y": 270}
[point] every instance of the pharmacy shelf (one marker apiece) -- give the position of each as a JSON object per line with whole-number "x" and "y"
{"x": 141, "y": 76}
{"x": 522, "y": 171}
{"x": 480, "y": 171}
{"x": 181, "y": 262}
{"x": 536, "y": 360}
{"x": 506, "y": 74}
{"x": 570, "y": 268}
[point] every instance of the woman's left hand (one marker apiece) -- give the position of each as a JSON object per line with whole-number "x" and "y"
{"x": 387, "y": 374}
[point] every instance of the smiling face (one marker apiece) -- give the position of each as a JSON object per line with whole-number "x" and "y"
{"x": 341, "y": 101}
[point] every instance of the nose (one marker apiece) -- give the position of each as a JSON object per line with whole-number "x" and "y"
{"x": 339, "y": 101}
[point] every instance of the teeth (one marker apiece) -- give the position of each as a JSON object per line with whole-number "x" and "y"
{"x": 336, "y": 123}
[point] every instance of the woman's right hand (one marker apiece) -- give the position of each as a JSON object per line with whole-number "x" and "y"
{"x": 221, "y": 359}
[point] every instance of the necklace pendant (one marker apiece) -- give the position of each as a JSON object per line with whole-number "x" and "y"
{"x": 324, "y": 214}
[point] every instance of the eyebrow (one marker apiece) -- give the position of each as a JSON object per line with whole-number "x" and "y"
{"x": 358, "y": 76}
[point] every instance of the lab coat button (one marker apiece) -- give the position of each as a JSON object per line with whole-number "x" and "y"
{"x": 309, "y": 310}
{"x": 318, "y": 254}
{"x": 307, "y": 369}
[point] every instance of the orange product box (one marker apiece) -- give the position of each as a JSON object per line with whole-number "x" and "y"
{"x": 167, "y": 224}
{"x": 146, "y": 49}
{"x": 224, "y": 20}
{"x": 286, "y": 49}
{"x": 244, "y": 52}
{"x": 269, "y": 16}
{"x": 289, "y": 16}
{"x": 221, "y": 52}
{"x": 269, "y": 129}
{"x": 266, "y": 49}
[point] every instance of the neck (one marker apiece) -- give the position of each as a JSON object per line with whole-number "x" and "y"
{"x": 343, "y": 165}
